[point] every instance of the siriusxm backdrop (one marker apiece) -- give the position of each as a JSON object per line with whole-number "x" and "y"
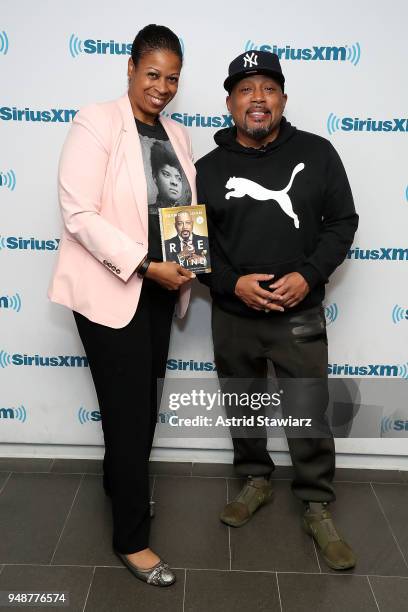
{"x": 345, "y": 67}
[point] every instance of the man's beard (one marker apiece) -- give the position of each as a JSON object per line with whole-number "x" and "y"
{"x": 258, "y": 133}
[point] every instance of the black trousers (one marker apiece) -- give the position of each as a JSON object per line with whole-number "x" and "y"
{"x": 296, "y": 346}
{"x": 125, "y": 364}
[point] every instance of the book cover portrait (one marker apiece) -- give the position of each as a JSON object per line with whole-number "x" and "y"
{"x": 184, "y": 235}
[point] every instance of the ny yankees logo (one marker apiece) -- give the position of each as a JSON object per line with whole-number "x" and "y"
{"x": 242, "y": 187}
{"x": 250, "y": 59}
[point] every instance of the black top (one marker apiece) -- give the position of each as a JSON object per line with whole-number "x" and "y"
{"x": 286, "y": 207}
{"x": 167, "y": 184}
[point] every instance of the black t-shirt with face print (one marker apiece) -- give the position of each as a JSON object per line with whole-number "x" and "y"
{"x": 167, "y": 185}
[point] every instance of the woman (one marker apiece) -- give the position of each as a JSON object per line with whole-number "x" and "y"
{"x": 110, "y": 272}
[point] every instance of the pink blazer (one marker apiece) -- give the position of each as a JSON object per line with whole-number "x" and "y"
{"x": 103, "y": 198}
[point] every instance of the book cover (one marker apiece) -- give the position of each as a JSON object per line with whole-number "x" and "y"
{"x": 184, "y": 237}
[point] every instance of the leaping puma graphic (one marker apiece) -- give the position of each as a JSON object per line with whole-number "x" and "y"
{"x": 242, "y": 187}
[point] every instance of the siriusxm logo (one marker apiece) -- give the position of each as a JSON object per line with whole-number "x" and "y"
{"x": 52, "y": 115}
{"x": 19, "y": 413}
{"x": 91, "y": 46}
{"x": 11, "y": 302}
{"x": 191, "y": 365}
{"x": 8, "y": 179}
{"x": 331, "y": 313}
{"x": 17, "y": 359}
{"x": 199, "y": 120}
{"x": 388, "y": 424}
{"x": 28, "y": 244}
{"x": 94, "y": 416}
{"x": 4, "y": 43}
{"x": 98, "y": 47}
{"x": 344, "y": 53}
{"x": 380, "y": 254}
{"x": 385, "y": 370}
{"x": 399, "y": 314}
{"x": 88, "y": 416}
{"x": 355, "y": 124}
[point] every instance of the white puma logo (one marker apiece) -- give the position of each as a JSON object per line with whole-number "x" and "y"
{"x": 242, "y": 187}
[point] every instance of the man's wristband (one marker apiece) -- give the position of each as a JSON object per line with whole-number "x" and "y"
{"x": 142, "y": 268}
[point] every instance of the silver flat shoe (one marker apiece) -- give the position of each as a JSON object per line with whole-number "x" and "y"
{"x": 158, "y": 575}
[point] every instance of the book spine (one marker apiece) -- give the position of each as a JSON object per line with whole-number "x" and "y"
{"x": 162, "y": 234}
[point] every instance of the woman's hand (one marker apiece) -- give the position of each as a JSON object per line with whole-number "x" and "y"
{"x": 168, "y": 274}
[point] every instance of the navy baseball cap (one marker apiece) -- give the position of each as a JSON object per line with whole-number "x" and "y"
{"x": 254, "y": 62}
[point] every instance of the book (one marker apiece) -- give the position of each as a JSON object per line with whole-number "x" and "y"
{"x": 184, "y": 237}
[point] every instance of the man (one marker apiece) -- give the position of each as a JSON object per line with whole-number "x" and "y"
{"x": 187, "y": 248}
{"x": 281, "y": 219}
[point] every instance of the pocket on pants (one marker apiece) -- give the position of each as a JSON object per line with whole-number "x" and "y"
{"x": 309, "y": 325}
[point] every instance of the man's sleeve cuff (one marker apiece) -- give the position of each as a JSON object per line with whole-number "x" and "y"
{"x": 311, "y": 276}
{"x": 229, "y": 283}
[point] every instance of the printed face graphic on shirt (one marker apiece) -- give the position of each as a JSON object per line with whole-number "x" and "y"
{"x": 169, "y": 183}
{"x": 241, "y": 187}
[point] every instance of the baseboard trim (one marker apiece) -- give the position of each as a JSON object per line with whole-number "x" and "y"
{"x": 197, "y": 455}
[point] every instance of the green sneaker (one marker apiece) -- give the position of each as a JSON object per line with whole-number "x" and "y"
{"x": 256, "y": 493}
{"x": 318, "y": 523}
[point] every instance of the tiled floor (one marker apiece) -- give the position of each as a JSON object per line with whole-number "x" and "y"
{"x": 55, "y": 536}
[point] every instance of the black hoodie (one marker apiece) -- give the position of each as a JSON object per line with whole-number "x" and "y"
{"x": 286, "y": 207}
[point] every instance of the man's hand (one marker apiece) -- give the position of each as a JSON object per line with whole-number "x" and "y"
{"x": 168, "y": 274}
{"x": 249, "y": 291}
{"x": 290, "y": 290}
